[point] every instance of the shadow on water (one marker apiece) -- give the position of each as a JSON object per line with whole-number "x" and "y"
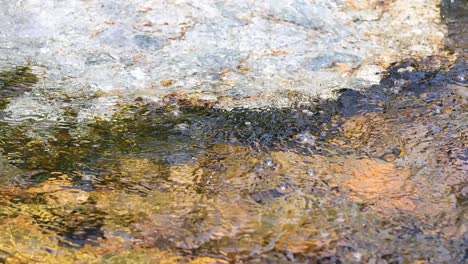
{"x": 375, "y": 175}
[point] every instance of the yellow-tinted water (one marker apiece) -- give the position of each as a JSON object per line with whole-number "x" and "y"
{"x": 376, "y": 177}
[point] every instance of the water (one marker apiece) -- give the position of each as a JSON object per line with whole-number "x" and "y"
{"x": 374, "y": 177}
{"x": 325, "y": 182}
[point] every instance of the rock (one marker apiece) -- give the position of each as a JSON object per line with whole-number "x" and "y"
{"x": 147, "y": 42}
{"x": 9, "y": 174}
{"x": 389, "y": 157}
{"x": 250, "y": 52}
{"x": 59, "y": 192}
{"x": 67, "y": 197}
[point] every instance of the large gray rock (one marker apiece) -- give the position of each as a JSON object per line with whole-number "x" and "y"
{"x": 252, "y": 52}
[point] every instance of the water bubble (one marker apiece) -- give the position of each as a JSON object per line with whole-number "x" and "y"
{"x": 260, "y": 168}
{"x": 88, "y": 178}
{"x": 399, "y": 82}
{"x": 395, "y": 89}
{"x": 182, "y": 126}
{"x": 306, "y": 139}
{"x": 357, "y": 256}
{"x": 460, "y": 77}
{"x": 176, "y": 113}
{"x": 340, "y": 219}
{"x": 269, "y": 162}
{"x": 307, "y": 112}
{"x": 284, "y": 188}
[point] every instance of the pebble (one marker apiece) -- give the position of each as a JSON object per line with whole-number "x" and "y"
{"x": 389, "y": 157}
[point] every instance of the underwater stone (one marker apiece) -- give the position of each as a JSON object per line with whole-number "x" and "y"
{"x": 9, "y": 174}
{"x": 249, "y": 52}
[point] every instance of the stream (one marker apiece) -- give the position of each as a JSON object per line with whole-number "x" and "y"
{"x": 374, "y": 176}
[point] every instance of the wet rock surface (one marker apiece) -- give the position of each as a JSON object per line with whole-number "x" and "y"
{"x": 252, "y": 53}
{"x": 9, "y": 174}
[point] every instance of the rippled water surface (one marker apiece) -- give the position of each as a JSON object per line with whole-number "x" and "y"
{"x": 374, "y": 177}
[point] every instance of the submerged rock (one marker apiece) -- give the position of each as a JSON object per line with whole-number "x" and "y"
{"x": 251, "y": 52}
{"x": 9, "y": 174}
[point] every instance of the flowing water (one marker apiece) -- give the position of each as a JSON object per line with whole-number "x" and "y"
{"x": 372, "y": 177}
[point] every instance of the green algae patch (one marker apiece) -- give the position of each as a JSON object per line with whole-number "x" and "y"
{"x": 14, "y": 83}
{"x": 17, "y": 77}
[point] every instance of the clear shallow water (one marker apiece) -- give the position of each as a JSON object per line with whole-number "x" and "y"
{"x": 376, "y": 177}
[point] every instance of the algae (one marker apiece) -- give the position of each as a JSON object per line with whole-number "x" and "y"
{"x": 14, "y": 83}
